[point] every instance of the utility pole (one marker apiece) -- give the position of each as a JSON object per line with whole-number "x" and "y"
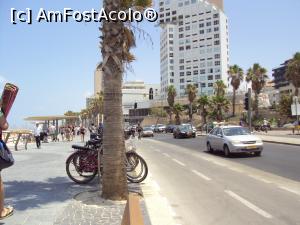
{"x": 249, "y": 109}
{"x": 296, "y": 108}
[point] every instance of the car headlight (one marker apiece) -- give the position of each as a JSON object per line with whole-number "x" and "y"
{"x": 259, "y": 141}
{"x": 236, "y": 142}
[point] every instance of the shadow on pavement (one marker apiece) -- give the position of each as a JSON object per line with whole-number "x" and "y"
{"x": 33, "y": 194}
{"x": 232, "y": 156}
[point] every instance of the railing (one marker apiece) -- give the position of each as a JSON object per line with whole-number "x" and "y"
{"x": 132, "y": 213}
{"x": 18, "y": 134}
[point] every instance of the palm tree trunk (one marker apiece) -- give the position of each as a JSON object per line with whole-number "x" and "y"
{"x": 296, "y": 91}
{"x": 233, "y": 102}
{"x": 191, "y": 112}
{"x": 256, "y": 105}
{"x": 114, "y": 172}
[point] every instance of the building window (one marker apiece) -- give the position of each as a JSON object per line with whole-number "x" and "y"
{"x": 180, "y": 29}
{"x": 202, "y": 71}
{"x": 208, "y": 30}
{"x": 203, "y": 85}
{"x": 216, "y": 15}
{"x": 180, "y": 35}
{"x": 216, "y": 22}
{"x": 218, "y": 77}
{"x": 195, "y": 72}
{"x": 201, "y": 31}
{"x": 151, "y": 94}
{"x": 188, "y": 73}
{"x": 170, "y": 35}
{"x": 172, "y": 74}
{"x": 181, "y": 48}
{"x": 181, "y": 74}
{"x": 181, "y": 80}
{"x": 208, "y": 24}
{"x": 216, "y": 29}
{"x": 210, "y": 77}
{"x": 171, "y": 42}
{"x": 201, "y": 25}
{"x": 181, "y": 67}
{"x": 173, "y": 12}
{"x": 187, "y": 28}
{"x": 210, "y": 84}
{"x": 217, "y": 42}
{"x": 180, "y": 23}
{"x": 181, "y": 86}
{"x": 181, "y": 61}
{"x": 217, "y": 63}
{"x": 216, "y": 36}
{"x": 188, "y": 47}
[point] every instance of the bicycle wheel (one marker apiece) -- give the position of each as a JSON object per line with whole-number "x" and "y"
{"x": 136, "y": 166}
{"x": 81, "y": 167}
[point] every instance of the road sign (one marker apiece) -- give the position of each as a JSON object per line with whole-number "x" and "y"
{"x": 295, "y": 111}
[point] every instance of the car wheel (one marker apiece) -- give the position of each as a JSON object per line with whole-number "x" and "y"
{"x": 209, "y": 148}
{"x": 257, "y": 154}
{"x": 226, "y": 151}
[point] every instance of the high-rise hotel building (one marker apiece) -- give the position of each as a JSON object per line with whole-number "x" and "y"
{"x": 193, "y": 45}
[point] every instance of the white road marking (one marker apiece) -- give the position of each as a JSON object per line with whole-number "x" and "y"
{"x": 249, "y": 204}
{"x": 219, "y": 163}
{"x": 290, "y": 190}
{"x": 155, "y": 185}
{"x": 180, "y": 163}
{"x": 259, "y": 178}
{"x": 167, "y": 155}
{"x": 201, "y": 175}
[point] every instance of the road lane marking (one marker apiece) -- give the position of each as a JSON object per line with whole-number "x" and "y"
{"x": 290, "y": 190}
{"x": 172, "y": 212}
{"x": 167, "y": 155}
{"x": 178, "y": 162}
{"x": 259, "y": 178}
{"x": 201, "y": 175}
{"x": 248, "y": 204}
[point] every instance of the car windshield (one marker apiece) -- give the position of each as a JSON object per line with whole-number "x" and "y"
{"x": 184, "y": 128}
{"x": 147, "y": 129}
{"x": 235, "y": 131}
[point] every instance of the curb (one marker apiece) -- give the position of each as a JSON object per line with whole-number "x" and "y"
{"x": 282, "y": 143}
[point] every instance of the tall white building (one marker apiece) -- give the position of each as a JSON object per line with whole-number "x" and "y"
{"x": 193, "y": 45}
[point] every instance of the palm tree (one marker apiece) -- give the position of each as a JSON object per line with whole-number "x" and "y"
{"x": 258, "y": 76}
{"x": 117, "y": 40}
{"x": 218, "y": 106}
{"x": 293, "y": 72}
{"x": 171, "y": 99}
{"x": 203, "y": 103}
{"x": 285, "y": 103}
{"x": 84, "y": 116}
{"x": 191, "y": 91}
{"x": 178, "y": 109}
{"x": 220, "y": 88}
{"x": 236, "y": 76}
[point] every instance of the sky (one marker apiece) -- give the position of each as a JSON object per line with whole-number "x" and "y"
{"x": 53, "y": 63}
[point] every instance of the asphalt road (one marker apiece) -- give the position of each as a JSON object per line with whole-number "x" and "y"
{"x": 202, "y": 188}
{"x": 282, "y": 160}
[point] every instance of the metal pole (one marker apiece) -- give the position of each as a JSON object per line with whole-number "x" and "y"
{"x": 249, "y": 109}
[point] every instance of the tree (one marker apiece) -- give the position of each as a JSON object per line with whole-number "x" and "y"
{"x": 203, "y": 104}
{"x": 84, "y": 116}
{"x": 219, "y": 88}
{"x": 258, "y": 76}
{"x": 178, "y": 109}
{"x": 158, "y": 112}
{"x": 218, "y": 106}
{"x": 71, "y": 121}
{"x": 171, "y": 99}
{"x": 284, "y": 107}
{"x": 117, "y": 40}
{"x": 236, "y": 76}
{"x": 292, "y": 73}
{"x": 191, "y": 91}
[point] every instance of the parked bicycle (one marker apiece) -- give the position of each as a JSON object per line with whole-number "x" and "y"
{"x": 82, "y": 165}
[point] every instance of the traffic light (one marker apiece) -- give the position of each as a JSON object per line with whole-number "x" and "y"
{"x": 246, "y": 102}
{"x": 135, "y": 105}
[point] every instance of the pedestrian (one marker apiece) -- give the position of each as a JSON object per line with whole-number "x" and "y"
{"x": 8, "y": 210}
{"x": 62, "y": 133}
{"x": 265, "y": 125}
{"x": 139, "y": 130}
{"x": 82, "y": 133}
{"x": 37, "y": 135}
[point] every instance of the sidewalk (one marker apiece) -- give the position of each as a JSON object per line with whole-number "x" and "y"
{"x": 42, "y": 194}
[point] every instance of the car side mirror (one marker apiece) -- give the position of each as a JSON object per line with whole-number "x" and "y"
{"x": 220, "y": 135}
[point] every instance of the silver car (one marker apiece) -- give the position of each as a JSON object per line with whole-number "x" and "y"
{"x": 233, "y": 139}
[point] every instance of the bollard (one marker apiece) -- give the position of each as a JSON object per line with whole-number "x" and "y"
{"x": 132, "y": 213}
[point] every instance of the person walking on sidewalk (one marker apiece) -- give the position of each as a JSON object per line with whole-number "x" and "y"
{"x": 4, "y": 211}
{"x": 37, "y": 135}
{"x": 139, "y": 129}
{"x": 82, "y": 133}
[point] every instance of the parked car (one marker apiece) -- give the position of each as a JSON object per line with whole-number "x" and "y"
{"x": 170, "y": 128}
{"x": 233, "y": 139}
{"x": 159, "y": 128}
{"x": 147, "y": 132}
{"x": 183, "y": 131}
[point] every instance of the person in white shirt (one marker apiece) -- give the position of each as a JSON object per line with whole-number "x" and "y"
{"x": 37, "y": 134}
